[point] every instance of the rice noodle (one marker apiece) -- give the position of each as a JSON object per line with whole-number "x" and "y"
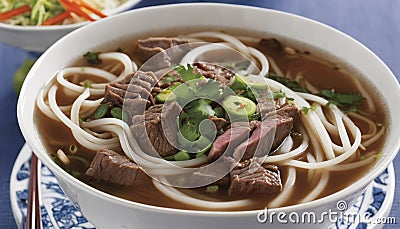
{"x": 225, "y": 37}
{"x": 318, "y": 189}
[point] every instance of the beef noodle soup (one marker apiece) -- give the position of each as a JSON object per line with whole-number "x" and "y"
{"x": 211, "y": 121}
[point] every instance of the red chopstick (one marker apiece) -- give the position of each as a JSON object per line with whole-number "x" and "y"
{"x": 34, "y": 218}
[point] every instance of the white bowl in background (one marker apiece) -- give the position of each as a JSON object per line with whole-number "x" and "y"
{"x": 39, "y": 38}
{"x": 107, "y": 211}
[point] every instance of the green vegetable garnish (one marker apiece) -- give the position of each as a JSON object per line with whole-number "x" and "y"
{"x": 189, "y": 131}
{"x": 378, "y": 155}
{"x": 20, "y": 74}
{"x": 73, "y": 148}
{"x": 305, "y": 110}
{"x": 212, "y": 188}
{"x": 101, "y": 111}
{"x": 239, "y": 84}
{"x": 74, "y": 173}
{"x": 199, "y": 109}
{"x": 203, "y": 151}
{"x": 219, "y": 112}
{"x": 181, "y": 156}
{"x": 211, "y": 89}
{"x": 279, "y": 94}
{"x": 169, "y": 79}
{"x": 187, "y": 73}
{"x": 294, "y": 85}
{"x": 118, "y": 113}
{"x": 87, "y": 84}
{"x": 165, "y": 96}
{"x": 346, "y": 102}
{"x": 92, "y": 57}
{"x": 239, "y": 106}
{"x": 119, "y": 49}
{"x": 81, "y": 159}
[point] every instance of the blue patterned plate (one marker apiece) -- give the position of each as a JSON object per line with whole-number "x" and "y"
{"x": 58, "y": 211}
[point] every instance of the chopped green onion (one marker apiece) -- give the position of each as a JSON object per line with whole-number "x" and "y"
{"x": 101, "y": 111}
{"x": 81, "y": 159}
{"x": 212, "y": 188}
{"x": 73, "y": 148}
{"x": 378, "y": 155}
{"x": 181, "y": 156}
{"x": 169, "y": 158}
{"x": 87, "y": 84}
{"x": 118, "y": 113}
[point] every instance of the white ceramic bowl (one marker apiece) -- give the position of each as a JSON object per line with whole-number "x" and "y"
{"x": 39, "y": 38}
{"x": 106, "y": 211}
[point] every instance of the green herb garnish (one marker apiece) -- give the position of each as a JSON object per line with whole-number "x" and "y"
{"x": 169, "y": 78}
{"x": 294, "y": 85}
{"x": 187, "y": 73}
{"x": 92, "y": 57}
{"x": 345, "y": 101}
{"x": 118, "y": 113}
{"x": 182, "y": 156}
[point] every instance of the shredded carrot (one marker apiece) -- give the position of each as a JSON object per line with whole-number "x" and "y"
{"x": 88, "y": 7}
{"x": 14, "y": 12}
{"x": 75, "y": 8}
{"x": 58, "y": 18}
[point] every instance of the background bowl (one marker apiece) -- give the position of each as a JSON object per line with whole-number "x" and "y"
{"x": 107, "y": 211}
{"x": 39, "y": 38}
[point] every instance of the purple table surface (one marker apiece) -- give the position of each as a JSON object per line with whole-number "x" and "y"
{"x": 374, "y": 23}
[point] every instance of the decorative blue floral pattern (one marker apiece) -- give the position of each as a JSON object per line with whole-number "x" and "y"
{"x": 56, "y": 208}
{"x": 368, "y": 204}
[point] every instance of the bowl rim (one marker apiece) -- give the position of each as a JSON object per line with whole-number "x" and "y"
{"x": 340, "y": 195}
{"x": 121, "y": 8}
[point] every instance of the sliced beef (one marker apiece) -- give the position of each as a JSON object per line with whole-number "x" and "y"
{"x": 215, "y": 173}
{"x": 212, "y": 71}
{"x": 133, "y": 93}
{"x": 147, "y": 48}
{"x": 236, "y": 134}
{"x": 152, "y": 128}
{"x": 220, "y": 123}
{"x": 245, "y": 181}
{"x": 109, "y": 166}
{"x": 269, "y": 133}
{"x": 286, "y": 110}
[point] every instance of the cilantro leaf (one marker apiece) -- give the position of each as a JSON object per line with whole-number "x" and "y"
{"x": 169, "y": 79}
{"x": 211, "y": 89}
{"x": 199, "y": 110}
{"x": 294, "y": 85}
{"x": 187, "y": 73}
{"x": 189, "y": 131}
{"x": 346, "y": 101}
